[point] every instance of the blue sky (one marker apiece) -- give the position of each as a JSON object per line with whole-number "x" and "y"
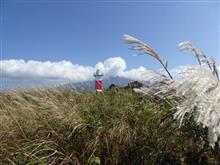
{"x": 87, "y": 32}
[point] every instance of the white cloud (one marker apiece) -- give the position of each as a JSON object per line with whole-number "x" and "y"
{"x": 136, "y": 74}
{"x": 65, "y": 71}
{"x": 112, "y": 67}
{"x": 47, "y": 72}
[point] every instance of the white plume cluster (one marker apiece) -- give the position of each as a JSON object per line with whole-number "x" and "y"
{"x": 201, "y": 92}
{"x": 158, "y": 85}
{"x": 197, "y": 89}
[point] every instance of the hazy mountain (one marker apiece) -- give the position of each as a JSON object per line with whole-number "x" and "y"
{"x": 90, "y": 85}
{"x": 86, "y": 85}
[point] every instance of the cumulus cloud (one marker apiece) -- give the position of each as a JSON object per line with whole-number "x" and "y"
{"x": 112, "y": 67}
{"x": 65, "y": 71}
{"x": 136, "y": 74}
{"x": 31, "y": 72}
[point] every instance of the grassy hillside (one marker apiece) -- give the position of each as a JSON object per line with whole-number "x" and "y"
{"x": 51, "y": 126}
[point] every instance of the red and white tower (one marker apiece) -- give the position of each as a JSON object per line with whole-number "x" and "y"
{"x": 98, "y": 80}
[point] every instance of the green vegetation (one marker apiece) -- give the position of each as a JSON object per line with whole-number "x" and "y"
{"x": 51, "y": 126}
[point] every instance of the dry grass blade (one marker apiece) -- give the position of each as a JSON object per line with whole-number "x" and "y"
{"x": 214, "y": 68}
{"x": 188, "y": 46}
{"x": 144, "y": 48}
{"x": 141, "y": 46}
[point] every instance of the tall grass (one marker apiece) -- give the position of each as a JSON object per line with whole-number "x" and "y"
{"x": 51, "y": 126}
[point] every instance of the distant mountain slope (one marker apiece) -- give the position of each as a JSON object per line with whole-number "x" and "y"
{"x": 90, "y": 85}
{"x": 86, "y": 85}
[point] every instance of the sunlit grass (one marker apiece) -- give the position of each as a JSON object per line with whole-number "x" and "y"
{"x": 51, "y": 126}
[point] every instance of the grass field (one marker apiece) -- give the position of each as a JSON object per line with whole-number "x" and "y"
{"x": 54, "y": 126}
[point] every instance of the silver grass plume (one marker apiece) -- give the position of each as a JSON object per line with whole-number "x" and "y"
{"x": 196, "y": 92}
{"x": 144, "y": 48}
{"x": 197, "y": 89}
{"x": 158, "y": 82}
{"x": 201, "y": 92}
{"x": 187, "y": 46}
{"x": 158, "y": 85}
